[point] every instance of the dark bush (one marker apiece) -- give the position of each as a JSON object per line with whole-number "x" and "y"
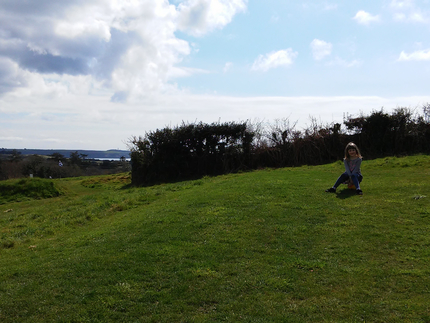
{"x": 381, "y": 134}
{"x": 190, "y": 151}
{"x": 195, "y": 150}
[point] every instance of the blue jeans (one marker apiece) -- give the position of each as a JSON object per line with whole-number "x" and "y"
{"x": 356, "y": 179}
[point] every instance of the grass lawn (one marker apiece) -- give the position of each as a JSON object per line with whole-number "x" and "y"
{"x": 263, "y": 246}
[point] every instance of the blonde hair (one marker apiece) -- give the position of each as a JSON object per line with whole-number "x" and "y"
{"x": 351, "y": 145}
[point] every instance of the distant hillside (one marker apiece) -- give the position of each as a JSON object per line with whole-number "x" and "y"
{"x": 113, "y": 153}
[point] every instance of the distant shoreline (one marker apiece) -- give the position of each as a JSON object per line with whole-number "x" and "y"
{"x": 90, "y": 154}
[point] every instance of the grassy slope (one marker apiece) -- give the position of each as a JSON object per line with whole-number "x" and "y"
{"x": 26, "y": 188}
{"x": 264, "y": 246}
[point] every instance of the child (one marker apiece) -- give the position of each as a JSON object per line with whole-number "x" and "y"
{"x": 352, "y": 162}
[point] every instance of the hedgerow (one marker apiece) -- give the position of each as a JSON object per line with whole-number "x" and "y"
{"x": 195, "y": 150}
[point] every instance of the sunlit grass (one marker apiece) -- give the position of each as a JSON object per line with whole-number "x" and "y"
{"x": 264, "y": 246}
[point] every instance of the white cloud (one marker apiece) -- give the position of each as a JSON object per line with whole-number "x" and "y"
{"x": 365, "y": 18}
{"x": 399, "y": 16}
{"x": 320, "y": 49}
{"x": 126, "y": 47}
{"x": 11, "y": 76}
{"x": 401, "y": 4}
{"x": 421, "y": 55}
{"x": 83, "y": 120}
{"x": 198, "y": 17}
{"x": 415, "y": 17}
{"x": 178, "y": 72}
{"x": 408, "y": 11}
{"x": 418, "y": 17}
{"x": 274, "y": 59}
{"x": 227, "y": 67}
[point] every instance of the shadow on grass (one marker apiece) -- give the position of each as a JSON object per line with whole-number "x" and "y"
{"x": 127, "y": 186}
{"x": 346, "y": 193}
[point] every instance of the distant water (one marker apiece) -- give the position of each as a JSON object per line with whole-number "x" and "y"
{"x": 114, "y": 159}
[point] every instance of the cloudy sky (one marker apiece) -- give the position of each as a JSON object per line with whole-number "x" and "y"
{"x": 90, "y": 74}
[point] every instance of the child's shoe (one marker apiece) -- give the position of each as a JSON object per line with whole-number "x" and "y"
{"x": 359, "y": 192}
{"x": 331, "y": 190}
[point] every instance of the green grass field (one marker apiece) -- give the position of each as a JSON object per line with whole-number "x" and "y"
{"x": 263, "y": 246}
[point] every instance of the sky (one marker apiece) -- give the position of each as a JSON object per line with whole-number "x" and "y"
{"x": 91, "y": 74}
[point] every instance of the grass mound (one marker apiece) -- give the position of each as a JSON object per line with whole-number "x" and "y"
{"x": 262, "y": 246}
{"x": 108, "y": 181}
{"x": 27, "y": 188}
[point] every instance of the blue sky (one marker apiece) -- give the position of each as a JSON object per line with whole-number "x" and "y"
{"x": 335, "y": 53}
{"x": 91, "y": 74}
